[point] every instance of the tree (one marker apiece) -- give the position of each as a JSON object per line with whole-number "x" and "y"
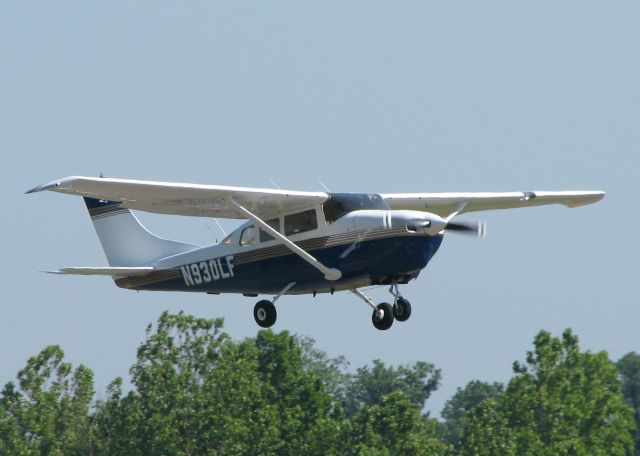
{"x": 47, "y": 412}
{"x": 456, "y": 410}
{"x": 393, "y": 426}
{"x": 369, "y": 385}
{"x": 198, "y": 392}
{"x": 562, "y": 401}
{"x": 629, "y": 368}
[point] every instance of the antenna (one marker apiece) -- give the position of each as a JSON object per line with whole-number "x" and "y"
{"x": 220, "y": 226}
{"x": 324, "y": 186}
{"x": 274, "y": 184}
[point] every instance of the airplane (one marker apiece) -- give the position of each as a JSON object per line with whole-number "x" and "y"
{"x": 292, "y": 243}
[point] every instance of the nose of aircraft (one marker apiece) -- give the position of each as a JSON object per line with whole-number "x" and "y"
{"x": 433, "y": 224}
{"x": 420, "y": 222}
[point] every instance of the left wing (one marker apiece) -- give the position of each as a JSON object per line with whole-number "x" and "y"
{"x": 446, "y": 204}
{"x": 186, "y": 199}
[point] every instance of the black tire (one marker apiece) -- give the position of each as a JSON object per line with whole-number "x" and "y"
{"x": 265, "y": 313}
{"x": 402, "y": 309}
{"x": 387, "y": 316}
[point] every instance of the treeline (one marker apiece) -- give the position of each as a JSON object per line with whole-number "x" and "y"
{"x": 194, "y": 391}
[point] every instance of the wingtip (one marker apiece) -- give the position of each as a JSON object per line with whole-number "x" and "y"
{"x": 43, "y": 187}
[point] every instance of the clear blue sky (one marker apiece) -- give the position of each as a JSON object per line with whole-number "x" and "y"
{"x": 365, "y": 96}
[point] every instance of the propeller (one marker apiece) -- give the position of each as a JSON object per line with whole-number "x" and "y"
{"x": 477, "y": 228}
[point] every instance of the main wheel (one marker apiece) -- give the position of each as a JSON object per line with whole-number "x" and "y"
{"x": 385, "y": 320}
{"x": 402, "y": 309}
{"x": 265, "y": 313}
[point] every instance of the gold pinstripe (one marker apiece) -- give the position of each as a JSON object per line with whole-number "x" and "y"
{"x": 100, "y": 212}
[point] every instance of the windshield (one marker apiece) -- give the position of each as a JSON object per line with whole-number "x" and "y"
{"x": 340, "y": 204}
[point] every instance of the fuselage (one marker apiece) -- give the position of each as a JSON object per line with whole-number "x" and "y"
{"x": 369, "y": 247}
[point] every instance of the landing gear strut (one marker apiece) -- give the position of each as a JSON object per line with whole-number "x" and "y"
{"x": 401, "y": 306}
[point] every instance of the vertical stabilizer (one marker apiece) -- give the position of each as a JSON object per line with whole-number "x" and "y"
{"x": 124, "y": 240}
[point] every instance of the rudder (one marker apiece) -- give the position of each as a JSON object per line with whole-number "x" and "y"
{"x": 124, "y": 240}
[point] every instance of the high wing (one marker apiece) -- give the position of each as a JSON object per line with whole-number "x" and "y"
{"x": 446, "y": 204}
{"x": 186, "y": 199}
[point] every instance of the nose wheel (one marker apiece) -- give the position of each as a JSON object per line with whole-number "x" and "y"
{"x": 402, "y": 309}
{"x": 401, "y": 306}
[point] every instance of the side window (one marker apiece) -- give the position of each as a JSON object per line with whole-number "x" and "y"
{"x": 273, "y": 223}
{"x": 248, "y": 236}
{"x": 300, "y": 222}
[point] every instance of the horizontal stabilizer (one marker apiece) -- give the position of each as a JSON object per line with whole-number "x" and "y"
{"x": 114, "y": 271}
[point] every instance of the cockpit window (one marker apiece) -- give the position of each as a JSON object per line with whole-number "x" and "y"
{"x": 248, "y": 236}
{"x": 273, "y": 223}
{"x": 300, "y": 222}
{"x": 340, "y": 204}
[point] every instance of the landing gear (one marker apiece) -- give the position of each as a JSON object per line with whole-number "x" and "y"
{"x": 382, "y": 317}
{"x": 383, "y": 313}
{"x": 401, "y": 306}
{"x": 265, "y": 313}
{"x": 402, "y": 309}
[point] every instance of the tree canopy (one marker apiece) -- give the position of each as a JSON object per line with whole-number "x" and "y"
{"x": 195, "y": 391}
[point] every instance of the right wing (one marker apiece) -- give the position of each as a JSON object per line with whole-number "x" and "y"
{"x": 445, "y": 204}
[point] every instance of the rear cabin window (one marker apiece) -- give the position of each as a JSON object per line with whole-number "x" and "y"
{"x": 248, "y": 236}
{"x": 273, "y": 223}
{"x": 300, "y": 222}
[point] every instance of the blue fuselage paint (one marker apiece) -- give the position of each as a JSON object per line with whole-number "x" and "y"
{"x": 376, "y": 261}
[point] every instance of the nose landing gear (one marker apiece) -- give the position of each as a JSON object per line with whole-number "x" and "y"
{"x": 401, "y": 306}
{"x": 384, "y": 314}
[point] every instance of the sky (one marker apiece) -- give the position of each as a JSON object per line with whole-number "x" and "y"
{"x": 364, "y": 96}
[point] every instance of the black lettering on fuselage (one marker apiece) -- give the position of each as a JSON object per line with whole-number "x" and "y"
{"x": 207, "y": 271}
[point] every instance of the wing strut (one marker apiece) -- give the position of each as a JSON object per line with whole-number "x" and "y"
{"x": 329, "y": 273}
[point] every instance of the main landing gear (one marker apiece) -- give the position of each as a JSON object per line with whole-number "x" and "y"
{"x": 384, "y": 314}
{"x": 265, "y": 312}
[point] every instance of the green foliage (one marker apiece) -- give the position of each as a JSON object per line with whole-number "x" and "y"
{"x": 456, "y": 410}
{"x": 47, "y": 413}
{"x": 198, "y": 392}
{"x": 562, "y": 401}
{"x": 394, "y": 426}
{"x": 369, "y": 385}
{"x": 195, "y": 391}
{"x": 629, "y": 369}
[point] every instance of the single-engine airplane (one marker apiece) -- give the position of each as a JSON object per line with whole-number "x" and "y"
{"x": 292, "y": 242}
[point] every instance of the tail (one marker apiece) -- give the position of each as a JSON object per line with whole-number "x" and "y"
{"x": 124, "y": 240}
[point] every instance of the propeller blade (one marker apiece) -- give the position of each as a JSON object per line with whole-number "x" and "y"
{"x": 477, "y": 228}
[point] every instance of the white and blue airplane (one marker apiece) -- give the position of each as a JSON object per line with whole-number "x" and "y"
{"x": 292, "y": 242}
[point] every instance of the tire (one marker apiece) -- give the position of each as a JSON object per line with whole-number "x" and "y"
{"x": 265, "y": 313}
{"x": 402, "y": 309}
{"x": 386, "y": 321}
